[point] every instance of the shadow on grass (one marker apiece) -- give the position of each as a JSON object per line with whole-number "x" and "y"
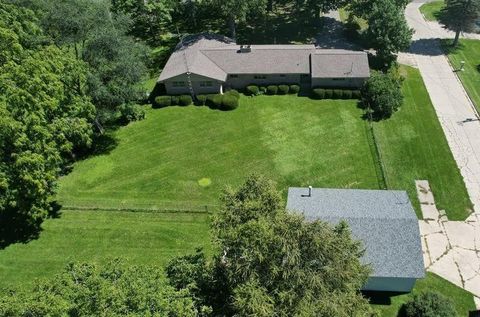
{"x": 380, "y": 298}
{"x": 16, "y": 227}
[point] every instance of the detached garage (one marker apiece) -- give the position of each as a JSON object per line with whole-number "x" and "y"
{"x": 384, "y": 220}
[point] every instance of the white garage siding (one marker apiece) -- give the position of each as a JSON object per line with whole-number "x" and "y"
{"x": 389, "y": 284}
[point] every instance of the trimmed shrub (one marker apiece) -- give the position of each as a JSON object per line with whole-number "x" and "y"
{"x": 356, "y": 94}
{"x": 229, "y": 102}
{"x": 328, "y": 93}
{"x": 272, "y": 90}
{"x": 429, "y": 304}
{"x": 263, "y": 90}
{"x": 185, "y": 100}
{"x": 283, "y": 89}
{"x": 337, "y": 94}
{"x": 214, "y": 101}
{"x": 347, "y": 94}
{"x": 294, "y": 89}
{"x": 318, "y": 93}
{"x": 201, "y": 100}
{"x": 175, "y": 100}
{"x": 162, "y": 101}
{"x": 252, "y": 90}
{"x": 131, "y": 112}
{"x": 233, "y": 92}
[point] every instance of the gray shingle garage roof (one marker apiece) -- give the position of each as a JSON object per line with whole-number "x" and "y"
{"x": 340, "y": 64}
{"x": 383, "y": 220}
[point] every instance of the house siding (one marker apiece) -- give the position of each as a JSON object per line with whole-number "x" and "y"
{"x": 243, "y": 80}
{"x": 196, "y": 84}
{"x": 389, "y": 284}
{"x": 331, "y": 82}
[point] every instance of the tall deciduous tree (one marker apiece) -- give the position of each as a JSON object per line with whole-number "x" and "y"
{"x": 237, "y": 10}
{"x": 460, "y": 16}
{"x": 274, "y": 263}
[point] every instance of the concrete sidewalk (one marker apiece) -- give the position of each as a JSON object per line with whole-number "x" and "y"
{"x": 451, "y": 248}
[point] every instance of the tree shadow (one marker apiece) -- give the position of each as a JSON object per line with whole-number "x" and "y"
{"x": 16, "y": 227}
{"x": 427, "y": 47}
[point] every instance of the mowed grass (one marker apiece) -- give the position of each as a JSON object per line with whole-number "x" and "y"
{"x": 431, "y": 10}
{"x": 468, "y": 51}
{"x": 413, "y": 147}
{"x": 182, "y": 157}
{"x": 142, "y": 238}
{"x": 462, "y": 299}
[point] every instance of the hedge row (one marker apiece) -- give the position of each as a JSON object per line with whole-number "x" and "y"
{"x": 320, "y": 93}
{"x": 227, "y": 101}
{"x": 167, "y": 101}
{"x": 253, "y": 90}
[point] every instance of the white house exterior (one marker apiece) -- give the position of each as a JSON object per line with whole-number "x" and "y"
{"x": 209, "y": 63}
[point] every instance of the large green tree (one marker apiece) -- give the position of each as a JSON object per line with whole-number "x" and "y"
{"x": 113, "y": 289}
{"x": 271, "y": 262}
{"x": 460, "y": 16}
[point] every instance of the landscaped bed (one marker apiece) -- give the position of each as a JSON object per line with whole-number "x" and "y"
{"x": 468, "y": 51}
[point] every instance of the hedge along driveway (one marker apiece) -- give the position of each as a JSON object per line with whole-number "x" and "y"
{"x": 413, "y": 146}
{"x": 184, "y": 156}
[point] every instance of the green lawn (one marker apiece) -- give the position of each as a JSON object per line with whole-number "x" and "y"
{"x": 185, "y": 156}
{"x": 462, "y": 299}
{"x": 468, "y": 51}
{"x": 431, "y": 10}
{"x": 150, "y": 238}
{"x": 413, "y": 146}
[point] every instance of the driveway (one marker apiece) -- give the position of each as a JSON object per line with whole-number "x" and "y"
{"x": 452, "y": 248}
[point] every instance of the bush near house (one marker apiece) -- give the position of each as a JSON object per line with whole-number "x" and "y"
{"x": 162, "y": 101}
{"x": 252, "y": 90}
{"x": 131, "y": 112}
{"x": 429, "y": 304}
{"x": 283, "y": 89}
{"x": 201, "y": 100}
{"x": 229, "y": 102}
{"x": 185, "y": 100}
{"x": 175, "y": 100}
{"x": 272, "y": 90}
{"x": 294, "y": 89}
{"x": 321, "y": 93}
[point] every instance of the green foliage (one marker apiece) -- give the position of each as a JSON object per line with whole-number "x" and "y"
{"x": 356, "y": 94}
{"x": 131, "y": 112}
{"x": 185, "y": 100}
{"x": 272, "y": 90}
{"x": 162, "y": 101}
{"x": 115, "y": 289}
{"x": 388, "y": 32}
{"x": 294, "y": 89}
{"x": 229, "y": 102}
{"x": 460, "y": 16}
{"x": 429, "y": 304}
{"x": 237, "y": 10}
{"x": 175, "y": 100}
{"x": 382, "y": 95}
{"x": 346, "y": 94}
{"x": 318, "y": 93}
{"x": 252, "y": 90}
{"x": 283, "y": 89}
{"x": 272, "y": 262}
{"x": 233, "y": 92}
{"x": 214, "y": 101}
{"x": 46, "y": 120}
{"x": 328, "y": 93}
{"x": 337, "y": 94}
{"x": 201, "y": 100}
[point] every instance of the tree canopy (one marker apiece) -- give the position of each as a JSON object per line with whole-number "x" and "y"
{"x": 114, "y": 289}
{"x": 272, "y": 262}
{"x": 460, "y": 16}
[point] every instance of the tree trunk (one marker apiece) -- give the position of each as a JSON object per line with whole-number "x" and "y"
{"x": 457, "y": 37}
{"x": 232, "y": 26}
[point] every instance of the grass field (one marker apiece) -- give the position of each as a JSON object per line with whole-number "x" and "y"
{"x": 468, "y": 51}
{"x": 185, "y": 156}
{"x": 148, "y": 238}
{"x": 462, "y": 299}
{"x": 413, "y": 146}
{"x": 431, "y": 10}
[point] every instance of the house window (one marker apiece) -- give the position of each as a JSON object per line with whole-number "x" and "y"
{"x": 283, "y": 75}
{"x": 206, "y": 84}
{"x": 339, "y": 79}
{"x": 260, "y": 77}
{"x": 233, "y": 76}
{"x": 178, "y": 84}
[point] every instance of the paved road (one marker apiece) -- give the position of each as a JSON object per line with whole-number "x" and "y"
{"x": 452, "y": 248}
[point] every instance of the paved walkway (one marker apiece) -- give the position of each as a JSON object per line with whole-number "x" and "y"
{"x": 451, "y": 248}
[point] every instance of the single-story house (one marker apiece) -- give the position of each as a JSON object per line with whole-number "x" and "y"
{"x": 383, "y": 220}
{"x": 209, "y": 63}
